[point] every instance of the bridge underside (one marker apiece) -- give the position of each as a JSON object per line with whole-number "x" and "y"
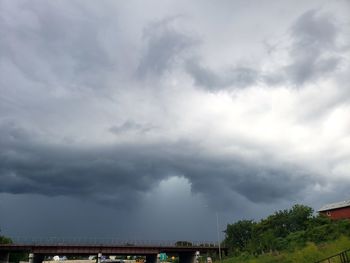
{"x": 37, "y": 253}
{"x": 150, "y": 258}
{"x": 4, "y": 257}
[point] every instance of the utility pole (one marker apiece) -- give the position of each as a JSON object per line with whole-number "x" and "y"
{"x": 217, "y": 229}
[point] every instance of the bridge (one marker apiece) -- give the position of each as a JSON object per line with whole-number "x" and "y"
{"x": 38, "y": 251}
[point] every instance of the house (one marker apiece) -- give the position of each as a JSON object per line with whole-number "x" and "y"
{"x": 340, "y": 210}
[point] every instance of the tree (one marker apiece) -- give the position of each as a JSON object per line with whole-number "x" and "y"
{"x": 14, "y": 257}
{"x": 239, "y": 234}
{"x": 284, "y": 222}
{"x": 274, "y": 232}
{"x": 4, "y": 240}
{"x": 299, "y": 217}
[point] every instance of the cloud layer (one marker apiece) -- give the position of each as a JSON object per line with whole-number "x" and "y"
{"x": 105, "y": 103}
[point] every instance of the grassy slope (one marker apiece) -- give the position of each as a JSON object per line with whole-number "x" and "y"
{"x": 308, "y": 254}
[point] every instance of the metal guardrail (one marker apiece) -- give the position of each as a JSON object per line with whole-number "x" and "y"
{"x": 109, "y": 242}
{"x": 343, "y": 257}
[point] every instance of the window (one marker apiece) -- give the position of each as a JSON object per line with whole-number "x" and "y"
{"x": 328, "y": 213}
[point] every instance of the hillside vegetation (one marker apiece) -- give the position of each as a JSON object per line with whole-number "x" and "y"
{"x": 291, "y": 235}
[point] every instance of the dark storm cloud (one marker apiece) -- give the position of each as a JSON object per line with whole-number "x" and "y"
{"x": 314, "y": 50}
{"x": 98, "y": 106}
{"x": 238, "y": 77}
{"x": 221, "y": 178}
{"x": 105, "y": 175}
{"x": 120, "y": 175}
{"x": 164, "y": 45}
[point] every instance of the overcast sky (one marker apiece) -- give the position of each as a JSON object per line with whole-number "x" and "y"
{"x": 138, "y": 120}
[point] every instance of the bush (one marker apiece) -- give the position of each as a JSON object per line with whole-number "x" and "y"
{"x": 308, "y": 254}
{"x": 5, "y": 240}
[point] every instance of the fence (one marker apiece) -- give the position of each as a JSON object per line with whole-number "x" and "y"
{"x": 343, "y": 257}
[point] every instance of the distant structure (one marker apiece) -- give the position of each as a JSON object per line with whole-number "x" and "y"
{"x": 340, "y": 210}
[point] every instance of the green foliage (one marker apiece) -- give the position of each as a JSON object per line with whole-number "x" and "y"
{"x": 5, "y": 240}
{"x": 17, "y": 257}
{"x": 14, "y": 257}
{"x": 296, "y": 240}
{"x": 311, "y": 252}
{"x": 239, "y": 234}
{"x": 293, "y": 230}
{"x": 286, "y": 221}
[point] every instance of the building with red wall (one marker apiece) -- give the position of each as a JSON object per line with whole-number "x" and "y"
{"x": 340, "y": 210}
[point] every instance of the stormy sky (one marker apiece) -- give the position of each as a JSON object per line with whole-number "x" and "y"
{"x": 135, "y": 120}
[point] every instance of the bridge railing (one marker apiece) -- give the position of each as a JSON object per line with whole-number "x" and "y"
{"x": 109, "y": 242}
{"x": 343, "y": 257}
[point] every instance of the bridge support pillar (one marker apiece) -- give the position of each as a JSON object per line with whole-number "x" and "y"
{"x": 4, "y": 257}
{"x": 31, "y": 258}
{"x": 36, "y": 258}
{"x": 99, "y": 258}
{"x": 187, "y": 257}
{"x": 151, "y": 258}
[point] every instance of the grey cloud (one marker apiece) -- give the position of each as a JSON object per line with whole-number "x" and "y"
{"x": 54, "y": 43}
{"x": 116, "y": 174}
{"x": 311, "y": 67}
{"x": 222, "y": 179}
{"x": 314, "y": 29}
{"x": 314, "y": 35}
{"x": 130, "y": 126}
{"x": 314, "y": 54}
{"x": 164, "y": 45}
{"x": 273, "y": 78}
{"x": 238, "y": 77}
{"x": 270, "y": 184}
